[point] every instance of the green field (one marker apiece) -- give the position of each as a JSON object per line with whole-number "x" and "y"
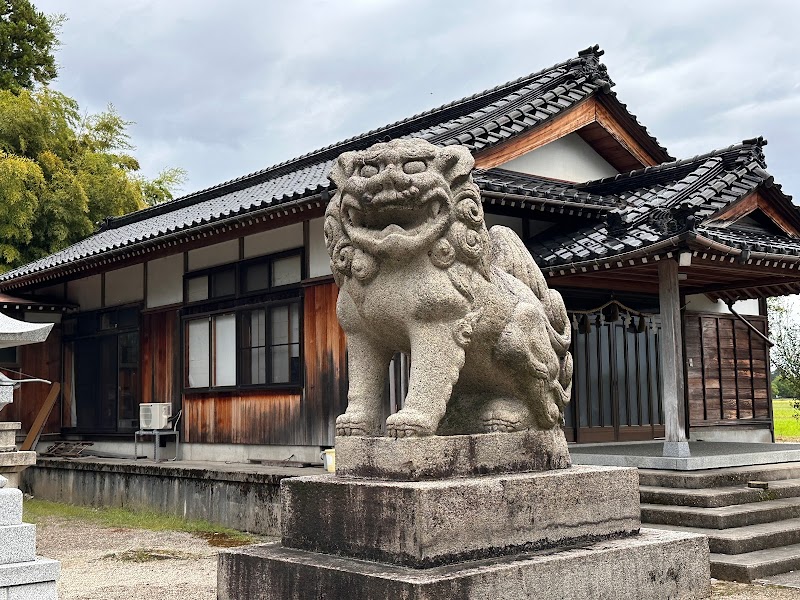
{"x": 787, "y": 426}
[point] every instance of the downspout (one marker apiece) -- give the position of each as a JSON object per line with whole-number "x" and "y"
{"x": 750, "y": 326}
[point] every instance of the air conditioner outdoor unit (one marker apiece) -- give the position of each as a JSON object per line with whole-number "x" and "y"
{"x": 155, "y": 415}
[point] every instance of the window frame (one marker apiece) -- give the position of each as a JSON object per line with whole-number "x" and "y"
{"x": 239, "y": 304}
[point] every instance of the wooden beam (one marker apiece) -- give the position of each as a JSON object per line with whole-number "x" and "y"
{"x": 671, "y": 359}
{"x": 612, "y": 126}
{"x": 38, "y": 424}
{"x": 565, "y": 123}
{"x": 750, "y": 203}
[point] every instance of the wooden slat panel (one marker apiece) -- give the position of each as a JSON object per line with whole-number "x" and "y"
{"x": 735, "y": 383}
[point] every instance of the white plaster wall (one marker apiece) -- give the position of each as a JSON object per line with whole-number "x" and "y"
{"x": 274, "y": 240}
{"x": 319, "y": 263}
{"x": 216, "y": 254}
{"x": 165, "y": 281}
{"x": 514, "y": 223}
{"x": 568, "y": 158}
{"x": 125, "y": 285}
{"x": 701, "y": 303}
{"x": 85, "y": 292}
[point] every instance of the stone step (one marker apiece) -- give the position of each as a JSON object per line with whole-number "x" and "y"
{"x": 719, "y": 496}
{"x": 17, "y": 543}
{"x": 751, "y": 538}
{"x": 755, "y": 565}
{"x": 725, "y": 517}
{"x": 713, "y": 478}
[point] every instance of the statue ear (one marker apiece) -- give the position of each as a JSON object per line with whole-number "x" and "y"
{"x": 343, "y": 168}
{"x": 455, "y": 162}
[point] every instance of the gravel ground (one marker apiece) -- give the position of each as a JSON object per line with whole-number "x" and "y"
{"x": 101, "y": 563}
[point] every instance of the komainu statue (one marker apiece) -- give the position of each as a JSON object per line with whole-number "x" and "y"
{"x": 420, "y": 273}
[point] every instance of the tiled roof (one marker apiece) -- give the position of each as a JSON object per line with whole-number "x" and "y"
{"x": 753, "y": 238}
{"x": 503, "y": 181}
{"x": 479, "y": 121}
{"x": 657, "y": 203}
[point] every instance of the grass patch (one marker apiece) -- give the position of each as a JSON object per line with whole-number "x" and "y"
{"x": 787, "y": 427}
{"x": 37, "y": 511}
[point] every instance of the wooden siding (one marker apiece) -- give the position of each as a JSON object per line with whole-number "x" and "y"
{"x": 727, "y": 368}
{"x": 325, "y": 352}
{"x": 280, "y": 416}
{"x": 160, "y": 357}
{"x": 37, "y": 360}
{"x": 252, "y": 417}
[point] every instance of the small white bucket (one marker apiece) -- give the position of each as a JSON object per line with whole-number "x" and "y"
{"x": 329, "y": 460}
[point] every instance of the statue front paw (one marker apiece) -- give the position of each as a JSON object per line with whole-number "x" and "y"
{"x": 357, "y": 423}
{"x": 410, "y": 423}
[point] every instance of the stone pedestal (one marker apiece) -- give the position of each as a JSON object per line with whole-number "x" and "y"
{"x": 12, "y": 462}
{"x": 570, "y": 533}
{"x": 23, "y": 576}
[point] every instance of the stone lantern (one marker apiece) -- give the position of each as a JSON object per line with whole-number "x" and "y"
{"x": 22, "y": 573}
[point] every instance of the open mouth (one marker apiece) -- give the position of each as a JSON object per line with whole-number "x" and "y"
{"x": 394, "y": 219}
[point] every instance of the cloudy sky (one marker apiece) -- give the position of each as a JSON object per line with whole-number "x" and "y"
{"x": 224, "y": 88}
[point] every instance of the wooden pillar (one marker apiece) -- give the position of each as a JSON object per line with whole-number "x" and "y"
{"x": 675, "y": 444}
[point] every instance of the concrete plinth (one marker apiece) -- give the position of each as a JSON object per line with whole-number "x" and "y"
{"x": 653, "y": 565}
{"x": 440, "y": 457}
{"x": 429, "y": 523}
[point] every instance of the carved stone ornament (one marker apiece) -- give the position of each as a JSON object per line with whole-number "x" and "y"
{"x": 420, "y": 273}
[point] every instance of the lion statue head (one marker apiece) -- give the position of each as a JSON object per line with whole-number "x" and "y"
{"x": 402, "y": 198}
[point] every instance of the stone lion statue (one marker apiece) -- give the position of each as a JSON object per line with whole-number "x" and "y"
{"x": 420, "y": 273}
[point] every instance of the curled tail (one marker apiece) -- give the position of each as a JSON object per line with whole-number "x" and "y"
{"x": 509, "y": 254}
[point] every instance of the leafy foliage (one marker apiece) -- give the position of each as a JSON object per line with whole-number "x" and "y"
{"x": 27, "y": 41}
{"x": 785, "y": 354}
{"x": 61, "y": 174}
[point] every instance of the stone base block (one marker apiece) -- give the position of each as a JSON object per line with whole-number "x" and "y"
{"x": 47, "y": 590}
{"x": 41, "y": 570}
{"x": 428, "y": 523}
{"x": 439, "y": 457}
{"x": 651, "y": 566}
{"x": 17, "y": 543}
{"x": 10, "y": 507}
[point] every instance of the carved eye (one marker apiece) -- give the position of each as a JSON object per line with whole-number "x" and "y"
{"x": 369, "y": 170}
{"x": 414, "y": 166}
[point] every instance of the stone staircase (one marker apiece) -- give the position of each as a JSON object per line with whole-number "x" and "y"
{"x": 751, "y": 515}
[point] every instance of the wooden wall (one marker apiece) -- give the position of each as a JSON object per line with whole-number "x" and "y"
{"x": 727, "y": 368}
{"x": 280, "y": 416}
{"x": 37, "y": 360}
{"x": 160, "y": 357}
{"x": 325, "y": 356}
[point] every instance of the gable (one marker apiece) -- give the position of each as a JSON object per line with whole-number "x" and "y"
{"x": 757, "y": 210}
{"x": 609, "y": 135}
{"x": 569, "y": 158}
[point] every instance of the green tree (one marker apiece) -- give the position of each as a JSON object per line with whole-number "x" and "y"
{"x": 782, "y": 388}
{"x": 27, "y": 41}
{"x": 784, "y": 330}
{"x": 61, "y": 174}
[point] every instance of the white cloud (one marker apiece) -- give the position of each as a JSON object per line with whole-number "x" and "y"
{"x": 223, "y": 89}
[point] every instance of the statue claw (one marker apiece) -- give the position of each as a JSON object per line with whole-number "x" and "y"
{"x": 409, "y": 423}
{"x": 355, "y": 423}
